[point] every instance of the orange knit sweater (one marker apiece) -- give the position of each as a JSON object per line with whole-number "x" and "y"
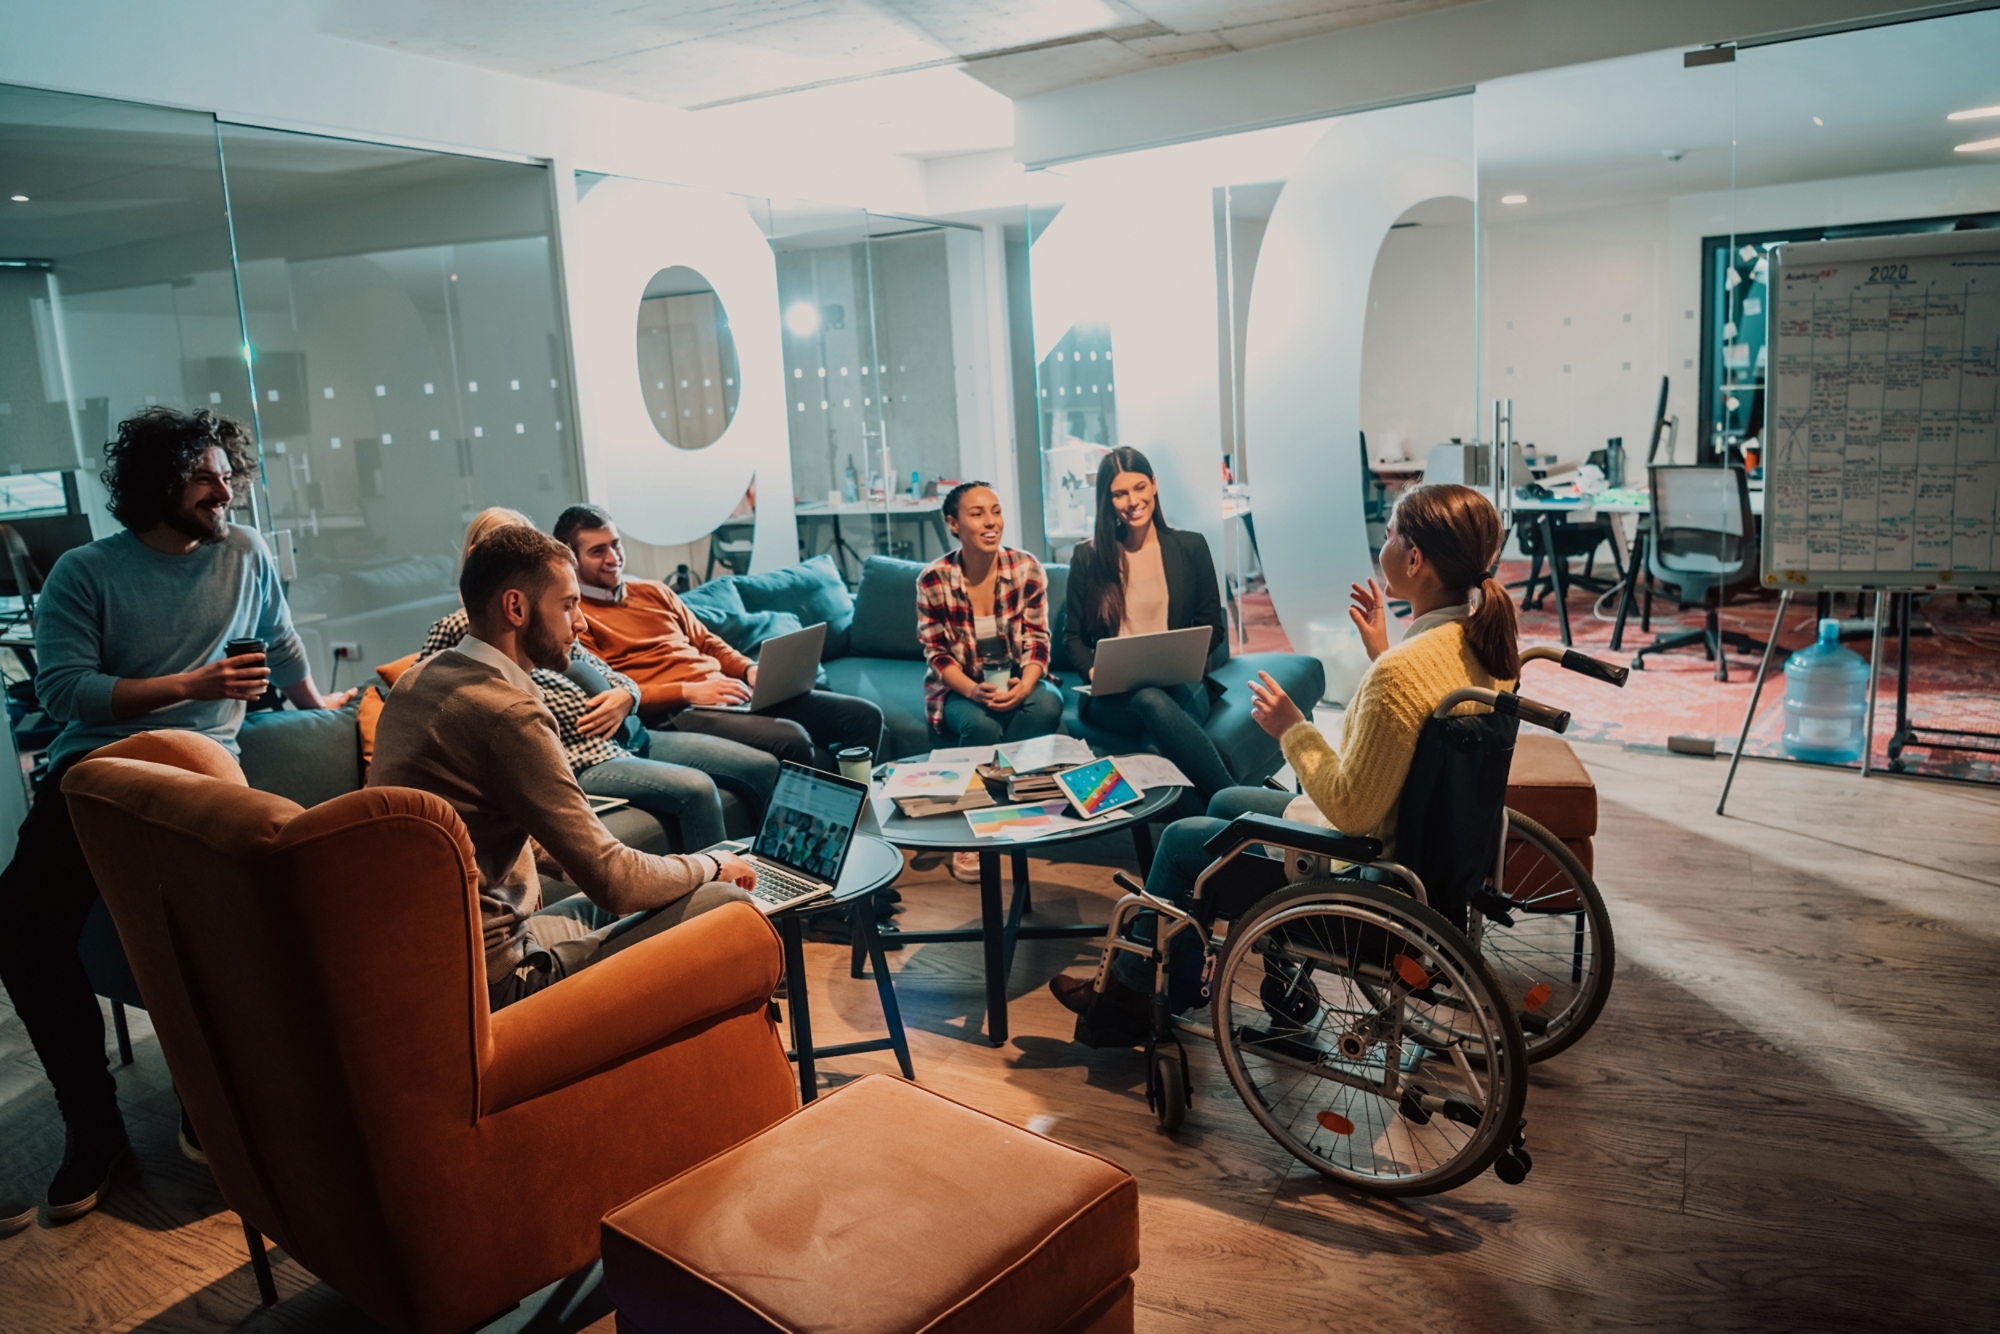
{"x": 652, "y": 637}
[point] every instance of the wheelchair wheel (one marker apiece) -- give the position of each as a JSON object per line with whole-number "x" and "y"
{"x": 1350, "y": 1019}
{"x": 1547, "y": 937}
{"x": 1170, "y": 1091}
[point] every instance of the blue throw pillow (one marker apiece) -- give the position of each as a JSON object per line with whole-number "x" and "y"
{"x": 811, "y": 590}
{"x": 719, "y": 607}
{"x": 885, "y": 610}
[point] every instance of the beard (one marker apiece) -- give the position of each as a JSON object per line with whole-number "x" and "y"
{"x": 189, "y": 522}
{"x": 546, "y": 646}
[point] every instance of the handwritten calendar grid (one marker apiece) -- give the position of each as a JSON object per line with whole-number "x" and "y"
{"x": 1886, "y": 455}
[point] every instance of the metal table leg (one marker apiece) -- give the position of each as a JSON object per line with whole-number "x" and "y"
{"x": 1635, "y": 570}
{"x": 1558, "y": 573}
{"x": 1142, "y": 844}
{"x": 885, "y": 988}
{"x": 791, "y": 931}
{"x": 993, "y": 940}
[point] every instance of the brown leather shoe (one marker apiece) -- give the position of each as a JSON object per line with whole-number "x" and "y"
{"x": 1075, "y": 993}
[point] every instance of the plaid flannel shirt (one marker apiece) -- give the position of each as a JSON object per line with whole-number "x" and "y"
{"x": 945, "y": 621}
{"x": 565, "y": 698}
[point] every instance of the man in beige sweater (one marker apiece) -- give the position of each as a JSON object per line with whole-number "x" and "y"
{"x": 469, "y": 725}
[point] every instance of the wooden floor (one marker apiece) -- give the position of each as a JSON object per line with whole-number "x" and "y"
{"x": 1788, "y": 1117}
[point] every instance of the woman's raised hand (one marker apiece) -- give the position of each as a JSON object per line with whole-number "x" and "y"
{"x": 1272, "y": 707}
{"x": 1370, "y": 614}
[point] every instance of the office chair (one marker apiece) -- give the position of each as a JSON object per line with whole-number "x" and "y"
{"x": 1703, "y": 543}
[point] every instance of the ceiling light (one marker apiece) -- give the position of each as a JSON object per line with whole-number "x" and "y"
{"x": 803, "y": 319}
{"x": 1977, "y": 113}
{"x": 1978, "y": 146}
{"x": 1818, "y": 121}
{"x": 1513, "y": 199}
{"x": 20, "y": 199}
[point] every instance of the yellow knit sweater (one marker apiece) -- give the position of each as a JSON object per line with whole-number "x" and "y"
{"x": 1356, "y": 788}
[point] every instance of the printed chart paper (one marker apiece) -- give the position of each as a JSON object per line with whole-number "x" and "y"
{"x": 1883, "y": 461}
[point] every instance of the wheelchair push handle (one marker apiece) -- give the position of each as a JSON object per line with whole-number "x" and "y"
{"x": 1581, "y": 663}
{"x": 1541, "y": 715}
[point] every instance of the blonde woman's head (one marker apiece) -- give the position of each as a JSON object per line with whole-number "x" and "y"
{"x": 486, "y": 521}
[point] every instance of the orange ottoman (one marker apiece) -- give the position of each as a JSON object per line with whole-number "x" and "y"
{"x": 880, "y": 1207}
{"x": 1550, "y": 786}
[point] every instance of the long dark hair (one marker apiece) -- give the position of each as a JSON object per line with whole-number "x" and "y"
{"x": 1105, "y": 568}
{"x": 1459, "y": 532}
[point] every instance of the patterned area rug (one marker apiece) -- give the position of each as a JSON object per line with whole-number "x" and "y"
{"x": 1954, "y": 675}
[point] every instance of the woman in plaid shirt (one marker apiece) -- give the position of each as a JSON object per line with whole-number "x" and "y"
{"x": 983, "y": 621}
{"x": 672, "y": 776}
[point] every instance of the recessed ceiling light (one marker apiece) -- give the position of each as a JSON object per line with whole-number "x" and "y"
{"x": 20, "y": 199}
{"x": 1977, "y": 113}
{"x": 1818, "y": 121}
{"x": 1978, "y": 146}
{"x": 1513, "y": 199}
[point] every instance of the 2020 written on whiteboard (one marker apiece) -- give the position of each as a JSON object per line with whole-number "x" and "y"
{"x": 1884, "y": 462}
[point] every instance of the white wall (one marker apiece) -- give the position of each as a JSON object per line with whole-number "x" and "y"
{"x": 1416, "y": 355}
{"x": 1578, "y": 326}
{"x": 1584, "y": 310}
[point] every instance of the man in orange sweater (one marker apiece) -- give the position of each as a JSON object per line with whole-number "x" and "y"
{"x": 642, "y": 629}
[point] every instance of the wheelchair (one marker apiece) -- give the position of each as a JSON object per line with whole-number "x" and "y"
{"x": 1369, "y": 1012}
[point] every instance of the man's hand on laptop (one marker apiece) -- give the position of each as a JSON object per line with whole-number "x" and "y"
{"x": 606, "y": 713}
{"x": 733, "y": 870}
{"x": 721, "y": 690}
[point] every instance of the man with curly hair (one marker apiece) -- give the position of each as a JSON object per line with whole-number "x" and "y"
{"x": 130, "y": 631}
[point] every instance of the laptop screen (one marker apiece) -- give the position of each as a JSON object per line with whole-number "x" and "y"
{"x": 811, "y": 818}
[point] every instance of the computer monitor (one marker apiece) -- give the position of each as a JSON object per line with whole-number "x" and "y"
{"x": 47, "y": 537}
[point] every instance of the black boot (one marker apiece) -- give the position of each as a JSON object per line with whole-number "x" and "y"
{"x": 1119, "y": 1017}
{"x": 92, "y": 1156}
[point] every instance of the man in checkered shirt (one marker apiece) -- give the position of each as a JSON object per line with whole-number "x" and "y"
{"x": 672, "y": 776}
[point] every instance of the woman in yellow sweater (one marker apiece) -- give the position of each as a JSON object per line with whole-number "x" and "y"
{"x": 1441, "y": 542}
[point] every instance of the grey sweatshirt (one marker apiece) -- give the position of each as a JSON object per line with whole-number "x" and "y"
{"x": 458, "y": 727}
{"x": 117, "y": 608}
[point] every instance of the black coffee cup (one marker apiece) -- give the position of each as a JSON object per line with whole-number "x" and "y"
{"x": 237, "y": 648}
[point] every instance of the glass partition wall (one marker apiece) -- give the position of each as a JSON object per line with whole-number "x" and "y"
{"x": 1283, "y": 322}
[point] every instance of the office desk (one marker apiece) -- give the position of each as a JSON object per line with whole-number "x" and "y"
{"x": 1579, "y": 508}
{"x": 929, "y": 508}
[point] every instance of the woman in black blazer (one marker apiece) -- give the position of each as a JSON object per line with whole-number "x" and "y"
{"x": 1138, "y": 576}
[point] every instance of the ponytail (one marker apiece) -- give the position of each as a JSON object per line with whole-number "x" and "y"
{"x": 1459, "y": 532}
{"x": 1492, "y": 633}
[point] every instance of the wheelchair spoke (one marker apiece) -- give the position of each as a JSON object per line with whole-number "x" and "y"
{"x": 1344, "y": 1027}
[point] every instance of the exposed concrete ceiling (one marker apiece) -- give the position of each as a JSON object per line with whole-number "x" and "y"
{"x": 698, "y": 54}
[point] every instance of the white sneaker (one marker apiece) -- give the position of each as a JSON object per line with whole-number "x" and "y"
{"x": 965, "y": 866}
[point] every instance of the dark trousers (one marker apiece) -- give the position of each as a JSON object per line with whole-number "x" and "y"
{"x": 806, "y": 730}
{"x": 1172, "y": 717}
{"x": 46, "y": 894}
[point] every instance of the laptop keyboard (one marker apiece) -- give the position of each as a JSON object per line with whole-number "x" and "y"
{"x": 779, "y": 887}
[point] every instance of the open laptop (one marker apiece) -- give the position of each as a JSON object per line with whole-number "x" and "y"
{"x": 786, "y": 669}
{"x": 803, "y": 843}
{"x": 1171, "y": 658}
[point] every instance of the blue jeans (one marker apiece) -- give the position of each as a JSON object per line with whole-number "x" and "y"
{"x": 1180, "y": 857}
{"x": 748, "y": 772}
{"x": 1172, "y": 717}
{"x": 967, "y": 722}
{"x": 678, "y": 797}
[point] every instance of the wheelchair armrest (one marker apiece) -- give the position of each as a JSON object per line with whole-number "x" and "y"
{"x": 1291, "y": 834}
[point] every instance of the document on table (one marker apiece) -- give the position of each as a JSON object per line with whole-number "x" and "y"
{"x": 1147, "y": 772}
{"x": 1024, "y": 824}
{"x": 1044, "y": 752}
{"x": 926, "y": 780}
{"x": 967, "y": 755}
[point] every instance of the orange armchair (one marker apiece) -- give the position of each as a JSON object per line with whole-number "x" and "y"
{"x": 318, "y": 984}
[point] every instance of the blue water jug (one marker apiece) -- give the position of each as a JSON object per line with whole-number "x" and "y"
{"x": 1826, "y": 701}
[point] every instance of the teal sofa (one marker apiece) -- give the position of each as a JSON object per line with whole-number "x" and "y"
{"x": 872, "y": 651}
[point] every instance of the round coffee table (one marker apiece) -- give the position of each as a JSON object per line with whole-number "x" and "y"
{"x": 998, "y": 932}
{"x": 872, "y": 866}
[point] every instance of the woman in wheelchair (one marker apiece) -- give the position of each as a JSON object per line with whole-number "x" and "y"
{"x": 1441, "y": 541}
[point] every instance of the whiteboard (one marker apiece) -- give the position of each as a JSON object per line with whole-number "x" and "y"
{"x": 1882, "y": 462}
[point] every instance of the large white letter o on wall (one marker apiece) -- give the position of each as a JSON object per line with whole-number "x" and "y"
{"x": 1308, "y": 312}
{"x": 625, "y": 232}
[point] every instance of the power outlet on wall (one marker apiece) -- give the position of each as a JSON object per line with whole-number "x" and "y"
{"x": 345, "y": 652}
